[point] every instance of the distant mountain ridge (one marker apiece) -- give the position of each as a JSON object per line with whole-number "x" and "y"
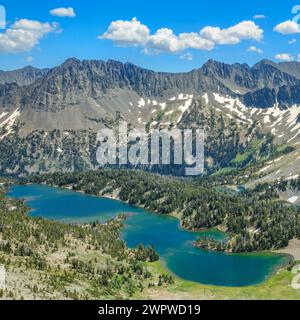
{"x": 262, "y": 85}
{"x": 22, "y": 77}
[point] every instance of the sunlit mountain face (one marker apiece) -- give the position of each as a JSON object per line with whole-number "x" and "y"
{"x": 49, "y": 118}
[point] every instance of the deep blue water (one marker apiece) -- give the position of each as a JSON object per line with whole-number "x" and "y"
{"x": 174, "y": 245}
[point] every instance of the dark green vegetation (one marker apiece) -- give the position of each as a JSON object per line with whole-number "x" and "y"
{"x": 255, "y": 220}
{"x": 283, "y": 185}
{"x": 47, "y": 259}
{"x": 39, "y": 151}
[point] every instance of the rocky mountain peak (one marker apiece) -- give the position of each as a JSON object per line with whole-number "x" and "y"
{"x": 264, "y": 62}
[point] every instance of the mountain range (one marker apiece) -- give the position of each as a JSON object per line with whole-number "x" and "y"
{"x": 262, "y": 85}
{"x": 22, "y": 77}
{"x": 49, "y": 117}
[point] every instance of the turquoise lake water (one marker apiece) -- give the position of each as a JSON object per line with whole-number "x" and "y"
{"x": 174, "y": 245}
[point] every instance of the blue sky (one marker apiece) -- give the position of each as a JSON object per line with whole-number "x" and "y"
{"x": 49, "y": 39}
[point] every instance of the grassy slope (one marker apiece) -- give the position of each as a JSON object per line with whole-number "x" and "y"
{"x": 278, "y": 287}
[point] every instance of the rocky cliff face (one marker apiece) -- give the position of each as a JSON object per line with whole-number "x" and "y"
{"x": 67, "y": 84}
{"x": 284, "y": 97}
{"x": 241, "y": 78}
{"x": 8, "y": 96}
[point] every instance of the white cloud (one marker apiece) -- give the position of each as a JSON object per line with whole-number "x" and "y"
{"x": 255, "y": 49}
{"x": 292, "y": 41}
{"x": 259, "y": 16}
{"x": 298, "y": 58}
{"x": 127, "y": 33}
{"x": 165, "y": 40}
{"x": 246, "y": 30}
{"x": 187, "y": 56}
{"x": 284, "y": 57}
{"x": 29, "y": 59}
{"x": 63, "y": 12}
{"x": 24, "y": 34}
{"x": 194, "y": 41}
{"x": 134, "y": 33}
{"x": 287, "y": 27}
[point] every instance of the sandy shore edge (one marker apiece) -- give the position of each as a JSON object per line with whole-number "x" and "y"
{"x": 292, "y": 249}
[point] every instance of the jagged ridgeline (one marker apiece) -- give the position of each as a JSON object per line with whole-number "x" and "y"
{"x": 49, "y": 118}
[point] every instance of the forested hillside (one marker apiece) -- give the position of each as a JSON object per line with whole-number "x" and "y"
{"x": 255, "y": 220}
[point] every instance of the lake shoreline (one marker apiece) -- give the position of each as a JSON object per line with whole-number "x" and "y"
{"x": 293, "y": 249}
{"x": 292, "y": 252}
{"x": 269, "y": 266}
{"x": 275, "y": 286}
{"x": 287, "y": 251}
